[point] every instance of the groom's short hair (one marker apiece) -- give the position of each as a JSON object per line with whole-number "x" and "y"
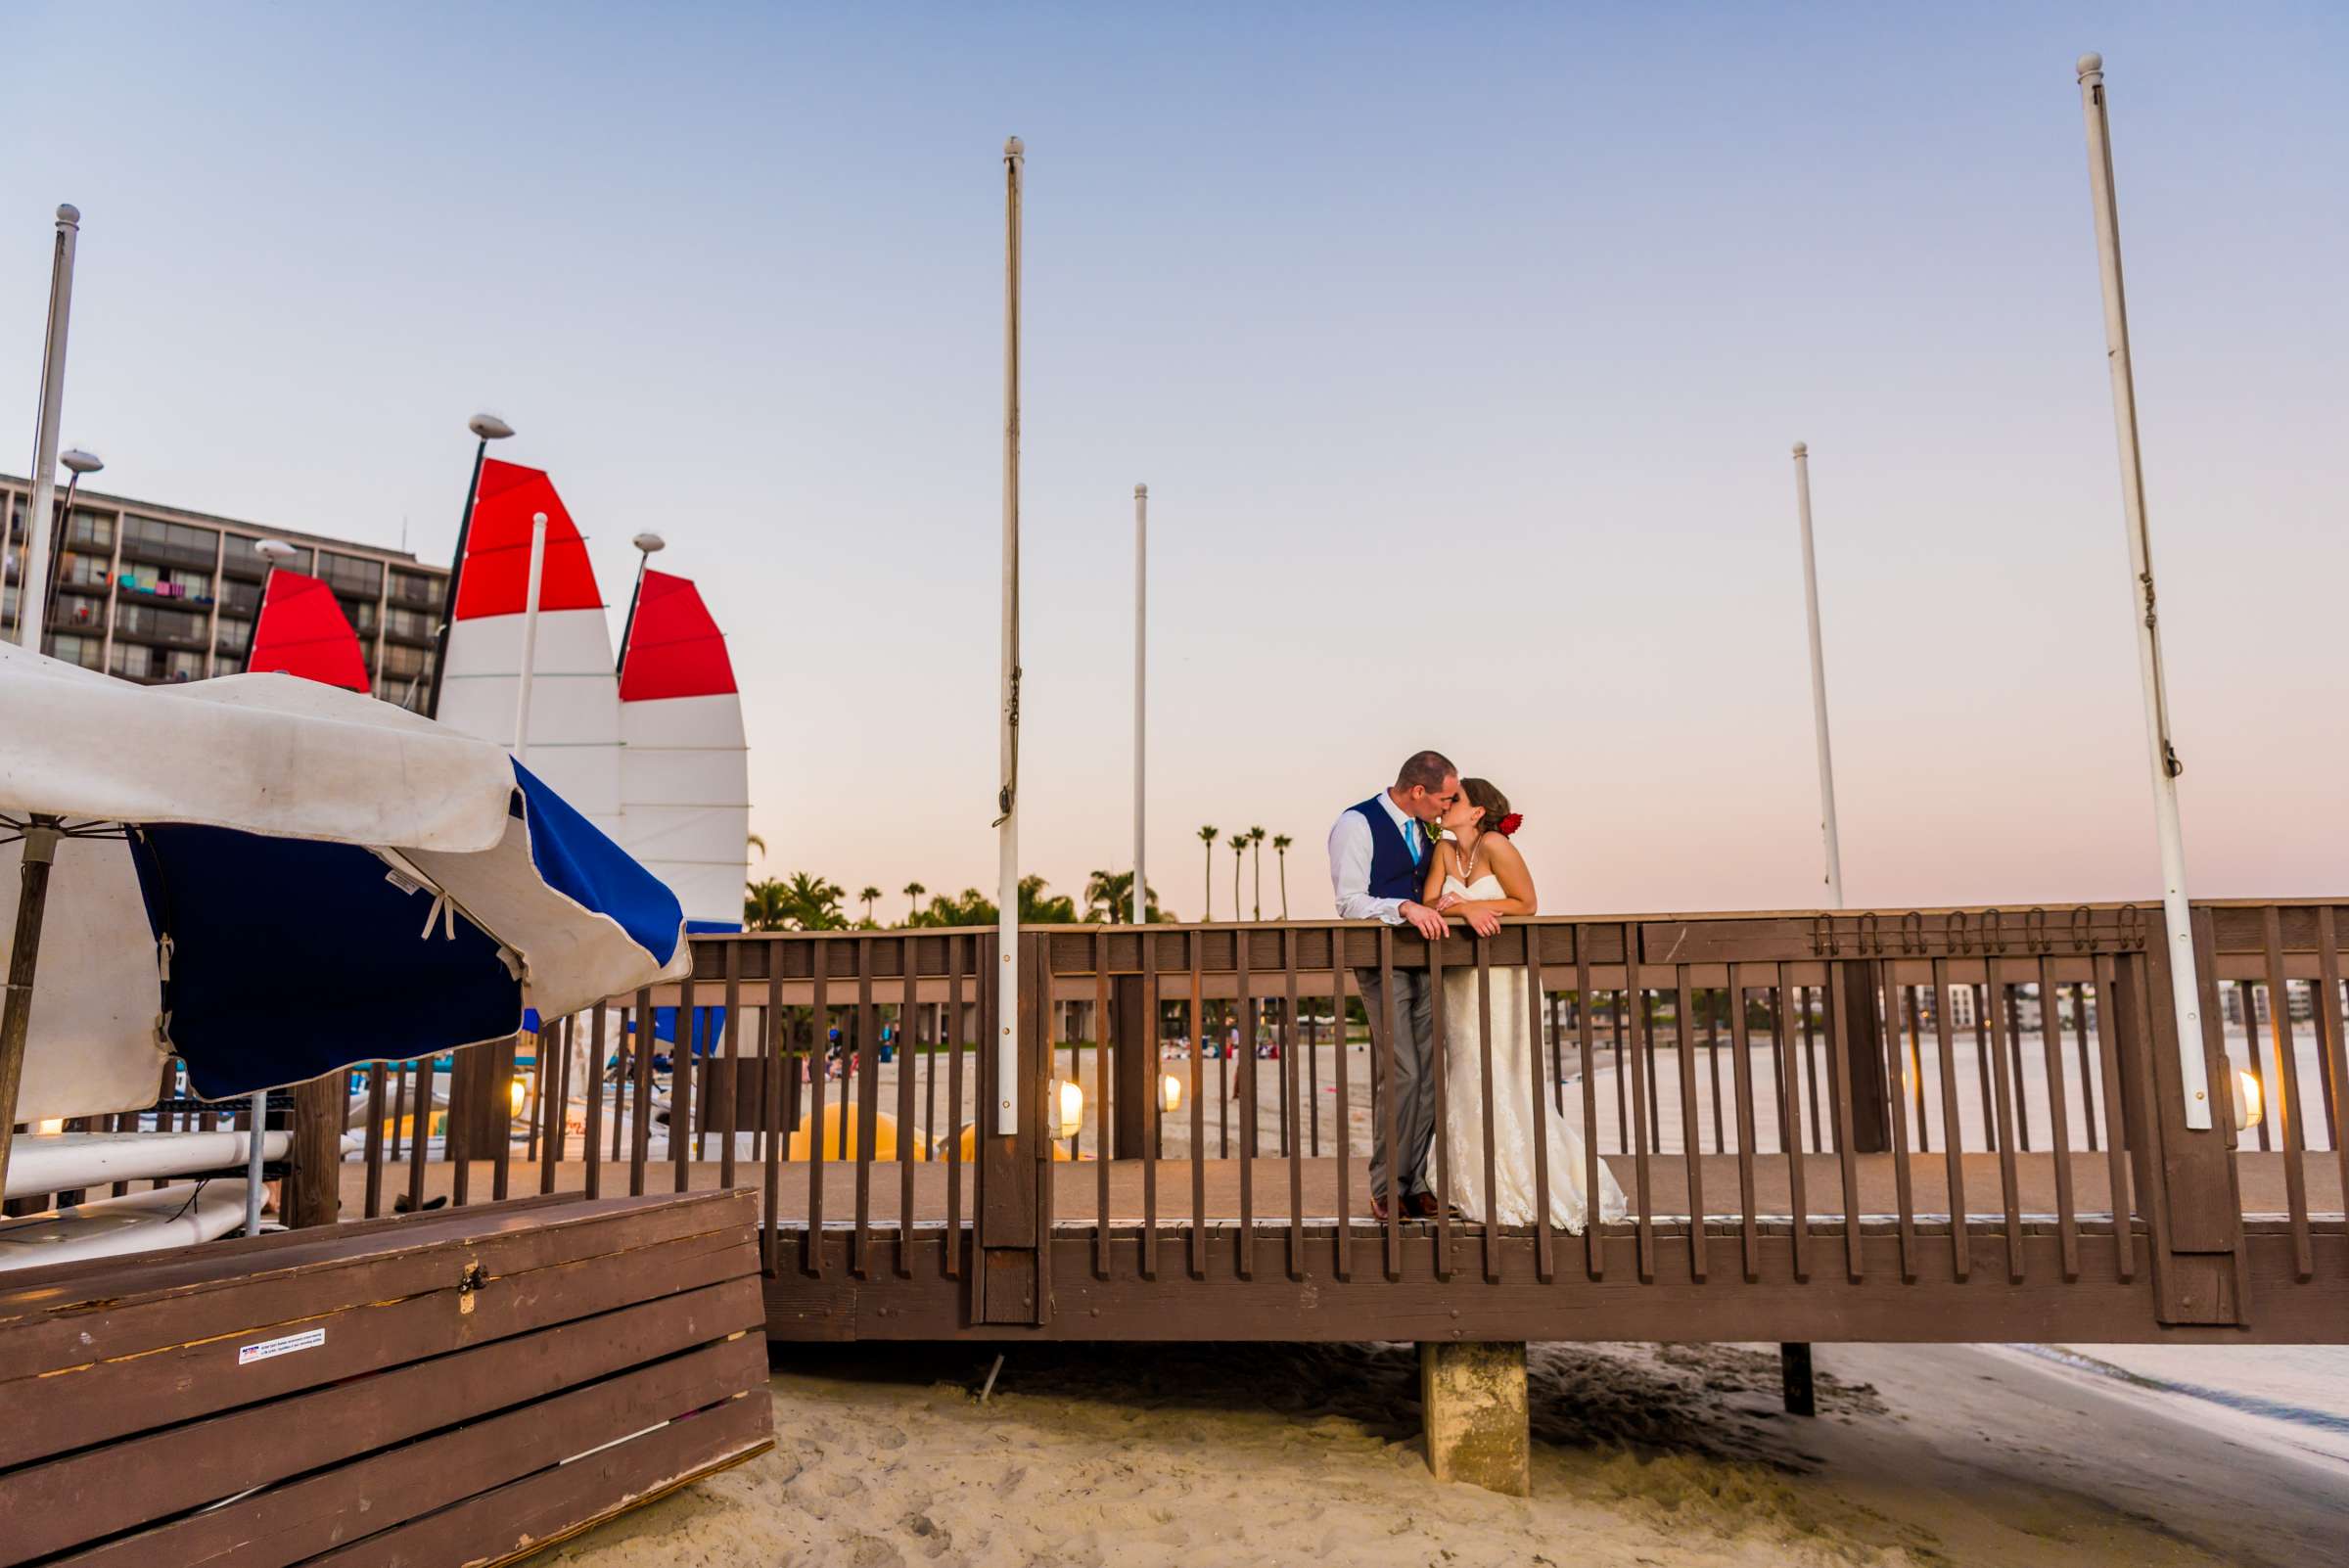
{"x": 1426, "y": 769}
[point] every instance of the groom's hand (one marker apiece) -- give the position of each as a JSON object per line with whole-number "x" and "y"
{"x": 1424, "y": 920}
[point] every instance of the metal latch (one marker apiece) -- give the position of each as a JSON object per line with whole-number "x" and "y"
{"x": 469, "y": 1284}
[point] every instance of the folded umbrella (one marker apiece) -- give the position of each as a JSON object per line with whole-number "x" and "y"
{"x": 270, "y": 878}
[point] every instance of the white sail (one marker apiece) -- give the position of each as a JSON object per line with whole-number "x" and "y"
{"x": 575, "y": 738}
{"x": 685, "y": 767}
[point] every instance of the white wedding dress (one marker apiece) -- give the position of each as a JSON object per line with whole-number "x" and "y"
{"x": 1511, "y": 1202}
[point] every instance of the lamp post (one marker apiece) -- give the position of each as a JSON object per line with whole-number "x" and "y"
{"x": 1141, "y": 625}
{"x": 487, "y": 427}
{"x": 648, "y": 544}
{"x": 1819, "y": 682}
{"x": 77, "y": 462}
{"x": 32, "y": 611}
{"x": 2162, "y": 756}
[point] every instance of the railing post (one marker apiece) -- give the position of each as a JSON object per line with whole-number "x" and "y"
{"x": 1862, "y": 1063}
{"x": 313, "y": 1190}
{"x": 1134, "y": 1088}
{"x": 1009, "y": 1286}
{"x": 2201, "y": 1279}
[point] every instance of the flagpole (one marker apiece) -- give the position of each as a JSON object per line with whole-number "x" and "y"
{"x": 2161, "y": 754}
{"x": 1819, "y": 682}
{"x": 32, "y": 601}
{"x": 1007, "y": 825}
{"x": 529, "y": 637}
{"x": 1142, "y": 641}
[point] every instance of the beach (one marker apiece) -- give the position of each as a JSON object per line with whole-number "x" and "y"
{"x": 1673, "y": 1456}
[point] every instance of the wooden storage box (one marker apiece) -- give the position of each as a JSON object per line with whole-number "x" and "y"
{"x": 462, "y": 1386}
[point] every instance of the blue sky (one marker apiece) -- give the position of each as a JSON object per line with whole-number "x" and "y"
{"x": 1461, "y": 350}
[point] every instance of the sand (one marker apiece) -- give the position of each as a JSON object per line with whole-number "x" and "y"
{"x": 1676, "y": 1456}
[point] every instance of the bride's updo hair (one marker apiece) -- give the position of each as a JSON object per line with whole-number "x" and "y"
{"x": 1487, "y": 798}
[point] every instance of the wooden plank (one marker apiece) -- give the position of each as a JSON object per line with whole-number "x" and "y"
{"x": 1827, "y": 1309}
{"x": 2329, "y": 1033}
{"x": 526, "y": 1516}
{"x": 54, "y": 1317}
{"x": 2059, "y": 1133}
{"x": 1953, "y": 1143}
{"x": 1585, "y": 1004}
{"x": 2116, "y": 1130}
{"x": 288, "y": 1523}
{"x": 104, "y": 1400}
{"x": 2288, "y": 1080}
{"x": 119, "y": 1486}
{"x": 1683, "y": 1036}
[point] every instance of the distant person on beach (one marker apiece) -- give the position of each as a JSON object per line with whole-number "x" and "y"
{"x": 1379, "y": 854}
{"x": 1478, "y": 874}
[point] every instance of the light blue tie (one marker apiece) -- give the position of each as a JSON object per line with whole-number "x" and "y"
{"x": 1411, "y": 842}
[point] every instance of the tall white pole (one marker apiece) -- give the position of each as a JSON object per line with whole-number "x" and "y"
{"x": 529, "y": 638}
{"x": 1141, "y": 685}
{"x": 1007, "y": 825}
{"x": 2162, "y": 756}
{"x": 32, "y": 583}
{"x": 1819, "y": 682}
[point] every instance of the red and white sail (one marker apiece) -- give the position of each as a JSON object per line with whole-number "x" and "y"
{"x": 302, "y": 631}
{"x": 685, "y": 785}
{"x": 573, "y": 743}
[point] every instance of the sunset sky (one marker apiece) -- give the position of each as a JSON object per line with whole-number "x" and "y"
{"x": 1461, "y": 350}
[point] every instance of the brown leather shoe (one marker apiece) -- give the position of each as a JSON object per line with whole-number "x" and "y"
{"x": 1378, "y": 1208}
{"x": 1420, "y": 1206}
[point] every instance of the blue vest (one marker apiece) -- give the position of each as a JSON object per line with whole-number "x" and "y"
{"x": 1393, "y": 872}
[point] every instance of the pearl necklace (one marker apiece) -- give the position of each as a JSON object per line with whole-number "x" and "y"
{"x": 1467, "y": 859}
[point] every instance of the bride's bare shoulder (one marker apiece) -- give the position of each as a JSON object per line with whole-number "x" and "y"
{"x": 1504, "y": 850}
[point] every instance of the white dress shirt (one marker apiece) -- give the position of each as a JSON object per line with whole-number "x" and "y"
{"x": 1350, "y": 864}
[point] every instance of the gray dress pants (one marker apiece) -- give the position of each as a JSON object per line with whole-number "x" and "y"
{"x": 1411, "y": 1024}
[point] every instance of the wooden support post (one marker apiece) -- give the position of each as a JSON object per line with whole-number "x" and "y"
{"x": 1137, "y": 1067}
{"x": 312, "y": 1194}
{"x": 1472, "y": 1401}
{"x": 478, "y": 1096}
{"x": 1794, "y": 1375}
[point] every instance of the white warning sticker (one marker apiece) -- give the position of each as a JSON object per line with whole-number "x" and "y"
{"x": 308, "y": 1338}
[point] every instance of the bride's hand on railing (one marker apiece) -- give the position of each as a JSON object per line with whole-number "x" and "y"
{"x": 1481, "y": 918}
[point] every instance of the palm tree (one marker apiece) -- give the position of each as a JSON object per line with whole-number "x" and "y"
{"x": 1280, "y": 848}
{"x": 1256, "y": 842}
{"x": 1239, "y": 856}
{"x": 913, "y": 891}
{"x": 1206, "y": 836}
{"x": 812, "y": 903}
{"x": 866, "y": 897}
{"x": 762, "y": 906}
{"x": 1109, "y": 898}
{"x": 759, "y": 844}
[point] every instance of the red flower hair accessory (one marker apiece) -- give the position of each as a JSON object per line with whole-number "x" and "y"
{"x": 1508, "y": 825}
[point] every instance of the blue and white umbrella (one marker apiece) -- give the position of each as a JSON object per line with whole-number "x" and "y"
{"x": 272, "y": 878}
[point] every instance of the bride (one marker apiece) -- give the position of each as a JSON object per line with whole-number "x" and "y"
{"x": 1478, "y": 874}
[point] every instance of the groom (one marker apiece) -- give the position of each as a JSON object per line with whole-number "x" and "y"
{"x": 1377, "y": 865}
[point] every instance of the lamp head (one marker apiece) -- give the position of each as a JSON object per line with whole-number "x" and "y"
{"x": 276, "y": 552}
{"x": 649, "y": 543}
{"x": 489, "y": 427}
{"x": 81, "y": 462}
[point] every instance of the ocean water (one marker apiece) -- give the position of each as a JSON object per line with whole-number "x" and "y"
{"x": 2289, "y": 1396}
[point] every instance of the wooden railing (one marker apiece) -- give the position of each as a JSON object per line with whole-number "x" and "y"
{"x": 1979, "y": 1088}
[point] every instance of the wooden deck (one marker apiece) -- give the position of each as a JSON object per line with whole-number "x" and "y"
{"x": 1076, "y": 1199}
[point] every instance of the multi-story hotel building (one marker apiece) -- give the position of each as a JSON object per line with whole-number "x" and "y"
{"x": 156, "y": 593}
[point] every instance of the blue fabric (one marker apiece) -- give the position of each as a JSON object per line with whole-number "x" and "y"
{"x": 713, "y": 928}
{"x": 579, "y": 863}
{"x": 1394, "y": 872}
{"x": 709, "y": 1028}
{"x": 270, "y": 935}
